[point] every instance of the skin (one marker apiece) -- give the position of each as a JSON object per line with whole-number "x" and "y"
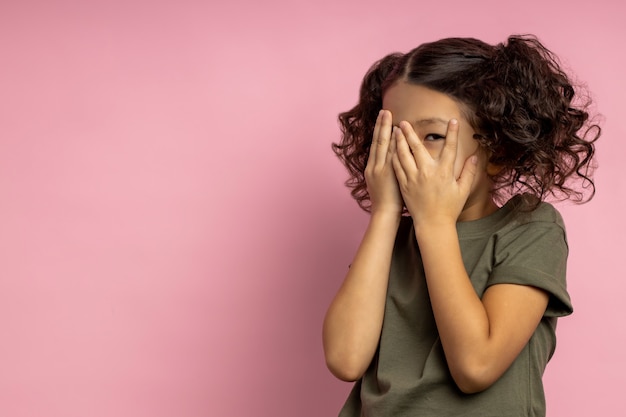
{"x": 423, "y": 154}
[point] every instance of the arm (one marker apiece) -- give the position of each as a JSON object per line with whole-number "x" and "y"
{"x": 354, "y": 319}
{"x": 481, "y": 338}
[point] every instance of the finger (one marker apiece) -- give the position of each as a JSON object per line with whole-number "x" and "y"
{"x": 398, "y": 169}
{"x": 403, "y": 150}
{"x": 384, "y": 137}
{"x": 392, "y": 149}
{"x": 372, "y": 155}
{"x": 468, "y": 174}
{"x": 449, "y": 152}
{"x": 420, "y": 154}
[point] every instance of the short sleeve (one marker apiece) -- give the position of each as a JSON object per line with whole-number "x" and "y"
{"x": 535, "y": 254}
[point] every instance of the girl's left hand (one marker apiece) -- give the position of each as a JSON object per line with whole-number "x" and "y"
{"x": 429, "y": 187}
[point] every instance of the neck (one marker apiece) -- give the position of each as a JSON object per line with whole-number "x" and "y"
{"x": 477, "y": 207}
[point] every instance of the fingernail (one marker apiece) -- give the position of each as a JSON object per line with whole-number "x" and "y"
{"x": 454, "y": 121}
{"x": 474, "y": 159}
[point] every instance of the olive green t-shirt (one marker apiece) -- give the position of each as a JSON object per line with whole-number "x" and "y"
{"x": 409, "y": 375}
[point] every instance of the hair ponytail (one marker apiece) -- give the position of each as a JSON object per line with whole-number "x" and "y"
{"x": 537, "y": 131}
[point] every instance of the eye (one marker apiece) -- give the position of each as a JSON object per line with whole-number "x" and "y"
{"x": 431, "y": 137}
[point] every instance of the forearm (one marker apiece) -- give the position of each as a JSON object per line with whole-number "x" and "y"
{"x": 354, "y": 319}
{"x": 461, "y": 318}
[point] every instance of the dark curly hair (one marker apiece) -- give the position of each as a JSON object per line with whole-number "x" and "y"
{"x": 524, "y": 107}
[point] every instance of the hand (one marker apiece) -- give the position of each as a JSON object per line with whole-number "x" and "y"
{"x": 380, "y": 177}
{"x": 428, "y": 185}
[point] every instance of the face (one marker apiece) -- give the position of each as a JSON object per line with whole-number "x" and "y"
{"x": 429, "y": 112}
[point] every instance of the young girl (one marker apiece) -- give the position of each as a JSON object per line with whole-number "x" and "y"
{"x": 449, "y": 307}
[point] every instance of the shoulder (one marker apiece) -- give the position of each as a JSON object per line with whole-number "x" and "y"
{"x": 542, "y": 215}
{"x": 532, "y": 249}
{"x": 524, "y": 225}
{"x": 518, "y": 214}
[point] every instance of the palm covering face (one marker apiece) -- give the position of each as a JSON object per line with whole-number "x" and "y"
{"x": 429, "y": 186}
{"x": 401, "y": 171}
{"x": 380, "y": 177}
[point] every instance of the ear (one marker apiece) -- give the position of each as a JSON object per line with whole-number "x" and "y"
{"x": 493, "y": 169}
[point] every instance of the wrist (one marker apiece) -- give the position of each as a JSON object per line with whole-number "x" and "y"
{"x": 430, "y": 227}
{"x": 388, "y": 217}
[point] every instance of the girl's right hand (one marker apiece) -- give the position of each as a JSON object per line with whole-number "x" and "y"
{"x": 355, "y": 317}
{"x": 380, "y": 177}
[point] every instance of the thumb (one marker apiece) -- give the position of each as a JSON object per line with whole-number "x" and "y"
{"x": 466, "y": 179}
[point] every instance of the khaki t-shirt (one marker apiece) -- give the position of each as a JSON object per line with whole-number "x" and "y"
{"x": 409, "y": 375}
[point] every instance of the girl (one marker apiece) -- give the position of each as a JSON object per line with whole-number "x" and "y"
{"x": 449, "y": 307}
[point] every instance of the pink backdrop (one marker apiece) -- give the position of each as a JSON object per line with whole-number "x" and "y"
{"x": 173, "y": 223}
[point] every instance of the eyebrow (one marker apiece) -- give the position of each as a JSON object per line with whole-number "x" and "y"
{"x": 428, "y": 121}
{"x": 431, "y": 121}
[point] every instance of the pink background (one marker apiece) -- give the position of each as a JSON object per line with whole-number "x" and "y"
{"x": 173, "y": 222}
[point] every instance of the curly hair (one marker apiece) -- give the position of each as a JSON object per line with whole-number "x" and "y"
{"x": 533, "y": 123}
